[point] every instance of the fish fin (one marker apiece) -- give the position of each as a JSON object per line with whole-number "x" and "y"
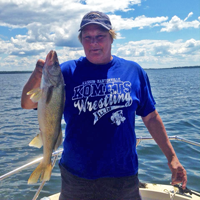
{"x": 45, "y": 173}
{"x": 49, "y": 94}
{"x": 59, "y": 140}
{"x": 36, "y": 94}
{"x": 37, "y": 141}
{"x": 35, "y": 174}
{"x": 34, "y": 90}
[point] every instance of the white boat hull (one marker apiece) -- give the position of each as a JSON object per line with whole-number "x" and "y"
{"x": 154, "y": 192}
{"x": 165, "y": 192}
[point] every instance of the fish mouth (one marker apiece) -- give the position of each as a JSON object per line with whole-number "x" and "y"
{"x": 52, "y": 57}
{"x": 52, "y": 64}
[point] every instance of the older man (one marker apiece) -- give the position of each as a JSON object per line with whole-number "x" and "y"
{"x": 103, "y": 94}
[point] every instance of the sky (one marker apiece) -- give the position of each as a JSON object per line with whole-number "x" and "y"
{"x": 153, "y": 33}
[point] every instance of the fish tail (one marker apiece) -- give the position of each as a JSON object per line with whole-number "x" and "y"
{"x": 45, "y": 176}
{"x": 44, "y": 171}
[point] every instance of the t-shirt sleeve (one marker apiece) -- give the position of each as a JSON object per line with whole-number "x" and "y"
{"x": 147, "y": 102}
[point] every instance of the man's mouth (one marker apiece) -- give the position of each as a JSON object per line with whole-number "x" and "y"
{"x": 94, "y": 50}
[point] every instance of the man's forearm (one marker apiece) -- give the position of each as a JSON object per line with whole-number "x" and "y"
{"x": 156, "y": 128}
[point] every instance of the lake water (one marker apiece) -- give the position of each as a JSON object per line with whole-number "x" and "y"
{"x": 177, "y": 93}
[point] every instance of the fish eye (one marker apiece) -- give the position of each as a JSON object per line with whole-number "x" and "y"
{"x": 56, "y": 64}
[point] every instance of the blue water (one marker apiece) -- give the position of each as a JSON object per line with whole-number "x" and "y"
{"x": 177, "y": 94}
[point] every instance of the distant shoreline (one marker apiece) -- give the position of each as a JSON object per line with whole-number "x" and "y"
{"x": 185, "y": 67}
{"x": 15, "y": 72}
{"x": 28, "y": 72}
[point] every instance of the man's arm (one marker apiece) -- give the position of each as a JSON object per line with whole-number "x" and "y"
{"x": 33, "y": 82}
{"x": 156, "y": 128}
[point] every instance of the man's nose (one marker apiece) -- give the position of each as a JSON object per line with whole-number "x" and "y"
{"x": 94, "y": 40}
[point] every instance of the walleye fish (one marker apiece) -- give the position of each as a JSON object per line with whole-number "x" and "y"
{"x": 50, "y": 97}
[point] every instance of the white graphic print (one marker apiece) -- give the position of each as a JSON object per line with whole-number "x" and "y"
{"x": 102, "y": 96}
{"x": 118, "y": 117}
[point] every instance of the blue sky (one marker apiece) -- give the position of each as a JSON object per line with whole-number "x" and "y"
{"x": 154, "y": 33}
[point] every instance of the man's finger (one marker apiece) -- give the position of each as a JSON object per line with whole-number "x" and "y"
{"x": 184, "y": 180}
{"x": 174, "y": 177}
{"x": 40, "y": 63}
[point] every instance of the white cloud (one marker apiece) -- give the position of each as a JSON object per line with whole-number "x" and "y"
{"x": 15, "y": 62}
{"x": 120, "y": 23}
{"x": 12, "y": 62}
{"x": 112, "y": 5}
{"x": 176, "y": 24}
{"x": 119, "y": 36}
{"x": 161, "y": 53}
{"x": 160, "y": 48}
{"x": 5, "y": 46}
{"x": 64, "y": 34}
{"x": 22, "y": 48}
{"x": 54, "y": 22}
{"x": 189, "y": 15}
{"x": 28, "y": 11}
{"x": 148, "y": 53}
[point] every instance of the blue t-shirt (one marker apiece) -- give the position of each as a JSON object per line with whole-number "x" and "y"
{"x": 100, "y": 108}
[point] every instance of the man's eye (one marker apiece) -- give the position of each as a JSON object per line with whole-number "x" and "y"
{"x": 87, "y": 38}
{"x": 99, "y": 37}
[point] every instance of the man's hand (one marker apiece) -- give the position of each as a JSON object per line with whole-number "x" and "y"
{"x": 179, "y": 174}
{"x": 33, "y": 82}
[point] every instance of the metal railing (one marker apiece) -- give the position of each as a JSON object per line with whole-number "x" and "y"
{"x": 59, "y": 152}
{"x": 56, "y": 153}
{"x": 139, "y": 139}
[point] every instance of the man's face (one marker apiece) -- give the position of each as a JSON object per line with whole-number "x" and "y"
{"x": 97, "y": 42}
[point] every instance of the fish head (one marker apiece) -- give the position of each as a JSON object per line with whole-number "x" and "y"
{"x": 52, "y": 63}
{"x": 51, "y": 69}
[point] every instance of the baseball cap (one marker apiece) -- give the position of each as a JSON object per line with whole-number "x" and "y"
{"x": 96, "y": 17}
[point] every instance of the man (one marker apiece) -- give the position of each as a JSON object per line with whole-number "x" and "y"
{"x": 103, "y": 93}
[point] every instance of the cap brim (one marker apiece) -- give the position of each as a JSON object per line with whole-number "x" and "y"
{"x": 94, "y": 23}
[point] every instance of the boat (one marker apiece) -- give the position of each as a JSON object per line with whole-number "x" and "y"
{"x": 148, "y": 191}
{"x": 151, "y": 191}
